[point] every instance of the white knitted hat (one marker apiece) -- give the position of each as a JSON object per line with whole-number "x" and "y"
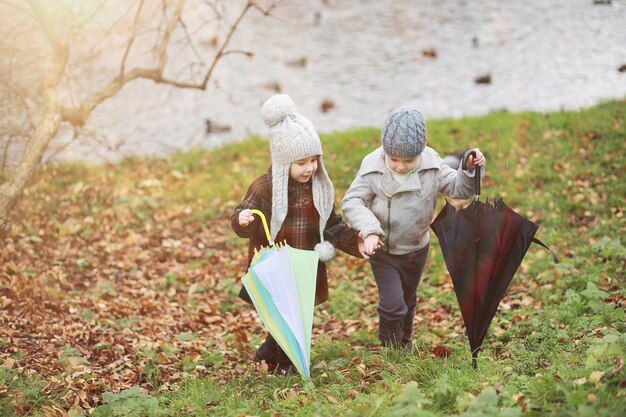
{"x": 293, "y": 137}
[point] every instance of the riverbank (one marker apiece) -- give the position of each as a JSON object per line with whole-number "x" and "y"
{"x": 348, "y": 63}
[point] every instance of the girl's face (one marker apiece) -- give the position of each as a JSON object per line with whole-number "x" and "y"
{"x": 402, "y": 165}
{"x": 303, "y": 169}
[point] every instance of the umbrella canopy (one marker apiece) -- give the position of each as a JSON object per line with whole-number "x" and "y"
{"x": 281, "y": 284}
{"x": 482, "y": 245}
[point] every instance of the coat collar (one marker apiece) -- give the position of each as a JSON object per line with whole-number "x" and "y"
{"x": 375, "y": 162}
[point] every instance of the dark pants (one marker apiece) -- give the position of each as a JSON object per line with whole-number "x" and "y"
{"x": 397, "y": 278}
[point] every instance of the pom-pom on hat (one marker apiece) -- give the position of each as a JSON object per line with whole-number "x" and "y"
{"x": 404, "y": 133}
{"x": 293, "y": 137}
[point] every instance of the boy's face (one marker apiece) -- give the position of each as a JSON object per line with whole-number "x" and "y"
{"x": 303, "y": 169}
{"x": 402, "y": 165}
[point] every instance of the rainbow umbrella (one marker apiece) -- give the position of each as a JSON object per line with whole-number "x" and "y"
{"x": 281, "y": 284}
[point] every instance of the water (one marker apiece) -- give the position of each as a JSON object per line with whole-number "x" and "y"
{"x": 366, "y": 57}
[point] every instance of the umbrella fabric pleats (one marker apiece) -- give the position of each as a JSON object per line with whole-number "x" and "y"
{"x": 281, "y": 284}
{"x": 482, "y": 246}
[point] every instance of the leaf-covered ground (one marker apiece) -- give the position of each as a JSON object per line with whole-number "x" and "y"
{"x": 118, "y": 288}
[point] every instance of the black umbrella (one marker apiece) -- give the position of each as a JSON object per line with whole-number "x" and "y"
{"x": 482, "y": 245}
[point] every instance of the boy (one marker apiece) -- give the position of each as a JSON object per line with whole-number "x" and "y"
{"x": 392, "y": 201}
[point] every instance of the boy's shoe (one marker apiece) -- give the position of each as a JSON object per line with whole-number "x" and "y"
{"x": 390, "y": 333}
{"x": 286, "y": 370}
{"x": 406, "y": 346}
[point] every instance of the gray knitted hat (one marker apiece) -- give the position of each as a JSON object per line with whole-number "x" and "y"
{"x": 293, "y": 137}
{"x": 404, "y": 133}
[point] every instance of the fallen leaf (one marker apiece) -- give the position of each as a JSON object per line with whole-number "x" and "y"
{"x": 441, "y": 352}
{"x": 8, "y": 363}
{"x": 596, "y": 376}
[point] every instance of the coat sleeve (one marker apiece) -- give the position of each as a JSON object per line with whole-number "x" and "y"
{"x": 355, "y": 206}
{"x": 341, "y": 235}
{"x": 457, "y": 183}
{"x": 254, "y": 199}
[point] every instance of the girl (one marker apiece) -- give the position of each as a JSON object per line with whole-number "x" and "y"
{"x": 296, "y": 196}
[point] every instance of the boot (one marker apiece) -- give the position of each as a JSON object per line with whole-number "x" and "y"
{"x": 407, "y": 330}
{"x": 406, "y": 343}
{"x": 286, "y": 370}
{"x": 390, "y": 333}
{"x": 406, "y": 346}
{"x": 268, "y": 352}
{"x": 285, "y": 367}
{"x": 265, "y": 353}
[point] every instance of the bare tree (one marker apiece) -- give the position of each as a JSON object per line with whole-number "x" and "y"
{"x": 46, "y": 46}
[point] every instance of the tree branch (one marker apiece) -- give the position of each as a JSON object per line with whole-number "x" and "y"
{"x": 5, "y": 154}
{"x": 236, "y": 51}
{"x": 220, "y": 51}
{"x": 54, "y": 112}
{"x": 22, "y": 10}
{"x": 77, "y": 116}
{"x": 162, "y": 51}
{"x": 131, "y": 39}
{"x": 190, "y": 40}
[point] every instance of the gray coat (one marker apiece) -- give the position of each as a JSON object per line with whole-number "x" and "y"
{"x": 401, "y": 214}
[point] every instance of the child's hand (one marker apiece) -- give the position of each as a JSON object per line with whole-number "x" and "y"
{"x": 473, "y": 162}
{"x": 362, "y": 249}
{"x": 245, "y": 217}
{"x": 369, "y": 245}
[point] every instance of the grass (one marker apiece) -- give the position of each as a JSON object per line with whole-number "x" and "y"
{"x": 555, "y": 347}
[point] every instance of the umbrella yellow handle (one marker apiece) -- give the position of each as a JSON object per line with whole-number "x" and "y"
{"x": 267, "y": 230}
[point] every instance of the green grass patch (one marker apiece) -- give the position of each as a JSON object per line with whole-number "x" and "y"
{"x": 556, "y": 346}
